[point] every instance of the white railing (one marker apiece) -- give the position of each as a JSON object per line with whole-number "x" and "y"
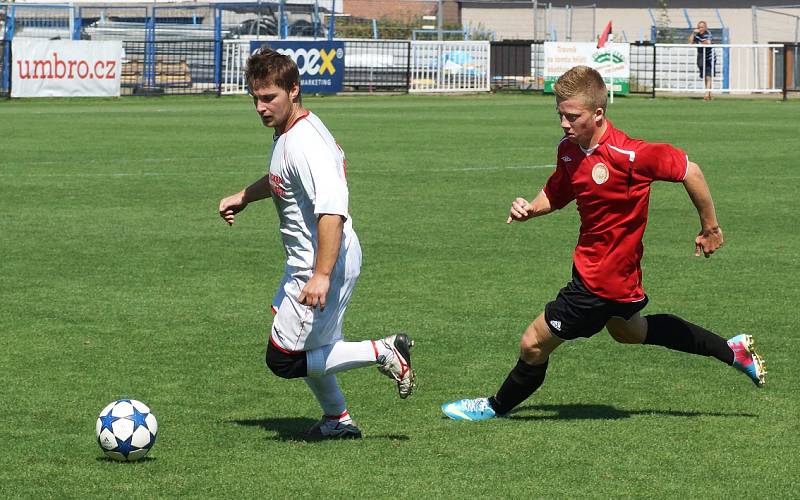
{"x": 449, "y": 66}
{"x": 740, "y": 68}
{"x": 234, "y": 58}
{"x": 446, "y": 66}
{"x": 456, "y": 66}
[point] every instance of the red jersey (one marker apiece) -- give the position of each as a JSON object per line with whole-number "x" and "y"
{"x": 611, "y": 187}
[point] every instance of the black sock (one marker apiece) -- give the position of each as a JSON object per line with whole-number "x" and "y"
{"x": 523, "y": 381}
{"x": 678, "y": 334}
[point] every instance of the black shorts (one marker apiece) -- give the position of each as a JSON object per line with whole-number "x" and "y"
{"x": 286, "y": 364}
{"x": 577, "y": 312}
{"x": 705, "y": 65}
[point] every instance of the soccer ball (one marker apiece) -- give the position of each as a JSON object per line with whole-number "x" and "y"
{"x": 126, "y": 430}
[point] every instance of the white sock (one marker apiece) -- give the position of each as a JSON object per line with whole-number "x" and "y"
{"x": 341, "y": 356}
{"x": 329, "y": 396}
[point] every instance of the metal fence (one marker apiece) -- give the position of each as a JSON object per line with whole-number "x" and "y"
{"x": 372, "y": 65}
{"x": 207, "y": 66}
{"x": 787, "y": 66}
{"x": 514, "y": 64}
{"x": 667, "y": 68}
{"x": 642, "y": 68}
{"x": 388, "y": 65}
{"x": 732, "y": 68}
{"x": 39, "y": 21}
{"x": 519, "y": 65}
{"x": 172, "y": 67}
{"x": 449, "y": 66}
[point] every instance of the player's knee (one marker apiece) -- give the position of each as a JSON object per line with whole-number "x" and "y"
{"x": 533, "y": 355}
{"x": 531, "y": 351}
{"x": 631, "y": 331}
{"x": 537, "y": 342}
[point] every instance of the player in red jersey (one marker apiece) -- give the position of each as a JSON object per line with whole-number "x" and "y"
{"x": 608, "y": 174}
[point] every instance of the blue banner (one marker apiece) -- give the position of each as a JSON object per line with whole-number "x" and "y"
{"x": 321, "y": 63}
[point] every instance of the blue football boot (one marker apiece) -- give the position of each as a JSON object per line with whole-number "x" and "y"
{"x": 469, "y": 409}
{"x": 746, "y": 360}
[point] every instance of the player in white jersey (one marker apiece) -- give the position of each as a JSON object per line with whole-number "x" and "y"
{"x": 307, "y": 182}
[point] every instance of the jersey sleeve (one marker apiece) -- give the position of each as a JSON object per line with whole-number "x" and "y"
{"x": 317, "y": 169}
{"x": 661, "y": 162}
{"x": 558, "y": 187}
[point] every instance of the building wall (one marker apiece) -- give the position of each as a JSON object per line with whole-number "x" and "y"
{"x": 631, "y": 24}
{"x": 393, "y": 9}
{"x": 400, "y": 9}
{"x": 505, "y": 23}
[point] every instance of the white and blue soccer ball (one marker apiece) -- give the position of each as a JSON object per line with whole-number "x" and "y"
{"x": 126, "y": 430}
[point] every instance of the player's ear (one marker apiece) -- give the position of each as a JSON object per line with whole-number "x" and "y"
{"x": 294, "y": 92}
{"x": 598, "y": 115}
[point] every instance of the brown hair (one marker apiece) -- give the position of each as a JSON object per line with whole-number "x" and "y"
{"x": 585, "y": 82}
{"x": 269, "y": 67}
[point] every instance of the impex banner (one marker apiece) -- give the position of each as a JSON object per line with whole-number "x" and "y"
{"x": 65, "y": 68}
{"x": 321, "y": 63}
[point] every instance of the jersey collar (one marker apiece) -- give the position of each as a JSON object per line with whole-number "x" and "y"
{"x": 304, "y": 115}
{"x": 605, "y": 137}
{"x": 301, "y": 117}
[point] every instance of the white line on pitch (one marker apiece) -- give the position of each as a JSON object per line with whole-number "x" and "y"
{"x": 398, "y": 170}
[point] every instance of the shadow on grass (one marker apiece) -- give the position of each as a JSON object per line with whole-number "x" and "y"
{"x": 294, "y": 429}
{"x": 112, "y": 461}
{"x": 607, "y": 412}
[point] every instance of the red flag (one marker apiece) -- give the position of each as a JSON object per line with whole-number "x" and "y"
{"x": 604, "y": 36}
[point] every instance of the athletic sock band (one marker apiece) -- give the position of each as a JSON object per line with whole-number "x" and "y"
{"x": 523, "y": 381}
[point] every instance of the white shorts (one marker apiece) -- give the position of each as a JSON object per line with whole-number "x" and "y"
{"x": 297, "y": 327}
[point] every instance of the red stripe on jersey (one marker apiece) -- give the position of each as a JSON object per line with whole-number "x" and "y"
{"x": 285, "y": 351}
{"x": 304, "y": 115}
{"x": 344, "y": 159}
{"x": 273, "y": 309}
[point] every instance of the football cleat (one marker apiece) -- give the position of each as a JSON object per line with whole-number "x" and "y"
{"x": 335, "y": 428}
{"x": 469, "y": 409}
{"x": 746, "y": 360}
{"x": 397, "y": 364}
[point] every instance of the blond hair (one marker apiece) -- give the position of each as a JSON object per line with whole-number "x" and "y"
{"x": 583, "y": 82}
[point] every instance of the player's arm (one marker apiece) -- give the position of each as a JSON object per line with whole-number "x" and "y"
{"x": 522, "y": 209}
{"x": 235, "y": 203}
{"x": 710, "y": 237}
{"x": 329, "y": 239}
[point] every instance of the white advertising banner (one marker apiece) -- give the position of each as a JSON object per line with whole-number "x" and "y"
{"x": 612, "y": 61}
{"x": 65, "y": 68}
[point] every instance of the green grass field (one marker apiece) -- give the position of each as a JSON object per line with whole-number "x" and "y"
{"x": 120, "y": 280}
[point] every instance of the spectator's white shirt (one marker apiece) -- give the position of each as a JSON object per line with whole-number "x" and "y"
{"x": 306, "y": 179}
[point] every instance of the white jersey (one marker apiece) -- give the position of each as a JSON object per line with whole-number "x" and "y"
{"x": 306, "y": 179}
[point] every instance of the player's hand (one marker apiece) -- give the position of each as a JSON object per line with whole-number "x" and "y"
{"x": 230, "y": 206}
{"x": 708, "y": 241}
{"x": 315, "y": 293}
{"x": 520, "y": 211}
